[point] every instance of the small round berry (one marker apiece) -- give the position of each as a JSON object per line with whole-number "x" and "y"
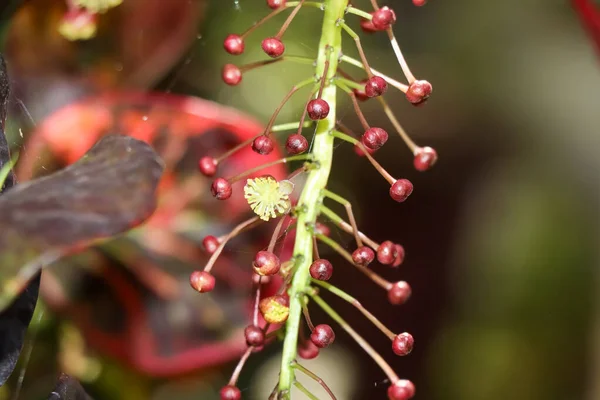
{"x": 363, "y": 256}
{"x": 263, "y": 145}
{"x": 374, "y": 138}
{"x": 266, "y": 263}
{"x": 274, "y": 309}
{"x": 202, "y": 281}
{"x": 210, "y": 244}
{"x": 367, "y": 26}
{"x": 275, "y": 4}
{"x": 399, "y": 293}
{"x": 360, "y": 152}
{"x": 207, "y": 166}
{"x": 234, "y": 44}
{"x": 322, "y": 336}
{"x": 419, "y": 3}
{"x": 375, "y": 86}
{"x": 401, "y": 189}
{"x": 399, "y": 255}
{"x": 386, "y": 253}
{"x": 402, "y": 389}
{"x": 403, "y": 344}
{"x": 254, "y": 336}
{"x": 321, "y": 269}
{"x": 308, "y": 350}
{"x": 360, "y": 93}
{"x": 273, "y": 47}
{"x": 418, "y": 92}
{"x": 317, "y": 109}
{"x": 425, "y": 158}
{"x": 231, "y": 74}
{"x": 322, "y": 229}
{"x": 383, "y": 18}
{"x": 231, "y": 392}
{"x": 296, "y": 144}
{"x": 221, "y": 189}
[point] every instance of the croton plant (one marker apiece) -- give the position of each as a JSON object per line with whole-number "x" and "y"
{"x": 112, "y": 180}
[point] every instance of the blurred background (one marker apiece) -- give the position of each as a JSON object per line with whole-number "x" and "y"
{"x": 502, "y": 236}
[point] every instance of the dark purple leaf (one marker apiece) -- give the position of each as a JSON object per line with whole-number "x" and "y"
{"x": 110, "y": 190}
{"x": 15, "y": 319}
{"x": 68, "y": 388}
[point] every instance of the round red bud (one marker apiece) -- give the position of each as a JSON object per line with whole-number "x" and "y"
{"x": 399, "y": 255}
{"x": 234, "y": 44}
{"x": 367, "y": 26}
{"x": 317, "y": 109}
{"x": 399, "y": 293}
{"x": 322, "y": 336}
{"x": 266, "y": 263}
{"x": 401, "y": 189}
{"x": 374, "y": 138}
{"x": 263, "y": 145}
{"x": 308, "y": 350}
{"x": 207, "y": 166}
{"x": 273, "y": 47}
{"x": 360, "y": 94}
{"x": 221, "y": 189}
{"x": 210, "y": 244}
{"x": 375, "y": 86}
{"x": 419, "y": 3}
{"x": 425, "y": 158}
{"x": 403, "y": 344}
{"x": 383, "y": 18}
{"x": 231, "y": 74}
{"x": 254, "y": 336}
{"x": 202, "y": 281}
{"x": 296, "y": 144}
{"x": 363, "y": 256}
{"x": 230, "y": 392}
{"x": 418, "y": 92}
{"x": 360, "y": 152}
{"x": 386, "y": 253}
{"x": 321, "y": 269}
{"x": 402, "y": 389}
{"x": 275, "y": 4}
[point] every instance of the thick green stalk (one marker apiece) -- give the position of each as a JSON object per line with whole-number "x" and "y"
{"x": 311, "y": 198}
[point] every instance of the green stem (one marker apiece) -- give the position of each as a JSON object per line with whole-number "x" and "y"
{"x": 311, "y": 196}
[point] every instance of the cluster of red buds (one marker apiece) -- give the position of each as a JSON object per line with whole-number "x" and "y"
{"x": 304, "y": 274}
{"x": 80, "y": 20}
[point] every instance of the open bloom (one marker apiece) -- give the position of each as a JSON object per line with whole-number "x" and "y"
{"x": 267, "y": 197}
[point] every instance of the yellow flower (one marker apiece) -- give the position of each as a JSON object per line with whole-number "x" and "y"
{"x": 267, "y": 197}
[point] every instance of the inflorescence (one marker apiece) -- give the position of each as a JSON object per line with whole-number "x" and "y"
{"x": 305, "y": 274}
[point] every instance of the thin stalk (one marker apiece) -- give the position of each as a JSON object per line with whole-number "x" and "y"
{"x": 386, "y": 175}
{"x": 409, "y": 76}
{"x": 400, "y": 86}
{"x": 294, "y": 89}
{"x": 289, "y": 19}
{"x": 331, "y": 36}
{"x": 355, "y": 303}
{"x": 347, "y": 227}
{"x": 311, "y": 326}
{"x": 316, "y": 378}
{"x": 360, "y": 13}
{"x": 359, "y": 47}
{"x": 240, "y": 365}
{"x": 290, "y": 126}
{"x": 305, "y": 391}
{"x": 341, "y": 251}
{"x": 267, "y": 165}
{"x": 357, "y": 338}
{"x": 275, "y": 235}
{"x": 262, "y": 63}
{"x": 235, "y": 231}
{"x": 390, "y": 114}
{"x": 348, "y": 206}
{"x": 355, "y": 104}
